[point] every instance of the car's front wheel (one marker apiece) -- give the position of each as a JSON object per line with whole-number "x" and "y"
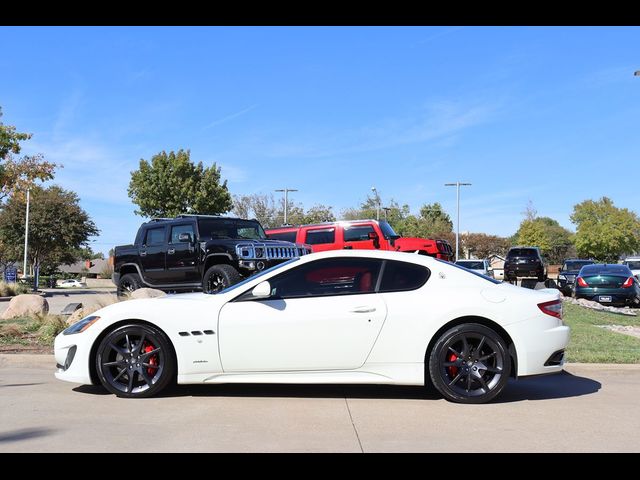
{"x": 469, "y": 364}
{"x": 135, "y": 361}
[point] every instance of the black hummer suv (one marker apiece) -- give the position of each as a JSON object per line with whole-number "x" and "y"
{"x": 525, "y": 262}
{"x": 197, "y": 252}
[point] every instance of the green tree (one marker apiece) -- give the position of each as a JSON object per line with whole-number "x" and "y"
{"x": 318, "y": 214}
{"x": 58, "y": 227}
{"x": 18, "y": 174}
{"x": 546, "y": 233}
{"x": 432, "y": 222}
{"x": 604, "y": 231}
{"x": 172, "y": 184}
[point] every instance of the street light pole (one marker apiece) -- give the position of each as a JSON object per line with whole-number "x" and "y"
{"x": 373, "y": 189}
{"x": 26, "y": 237}
{"x": 286, "y": 200}
{"x": 457, "y": 185}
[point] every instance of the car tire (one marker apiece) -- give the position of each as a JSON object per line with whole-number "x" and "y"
{"x": 219, "y": 277}
{"x": 469, "y": 363}
{"x": 135, "y": 361}
{"x": 128, "y": 284}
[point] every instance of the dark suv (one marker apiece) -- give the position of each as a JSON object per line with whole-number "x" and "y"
{"x": 568, "y": 273}
{"x": 525, "y": 262}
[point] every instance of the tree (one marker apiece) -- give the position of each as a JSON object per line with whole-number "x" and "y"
{"x": 18, "y": 174}
{"x": 481, "y": 245}
{"x": 433, "y": 222}
{"x": 318, "y": 214}
{"x": 172, "y": 184}
{"x": 270, "y": 213}
{"x": 546, "y": 233}
{"x": 58, "y": 227}
{"x": 603, "y": 231}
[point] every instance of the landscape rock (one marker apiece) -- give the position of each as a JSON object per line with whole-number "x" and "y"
{"x": 147, "y": 293}
{"x": 81, "y": 313}
{"x": 27, "y": 304}
{"x": 583, "y": 302}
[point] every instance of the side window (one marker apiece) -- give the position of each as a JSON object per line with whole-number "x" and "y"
{"x": 402, "y": 276}
{"x": 336, "y": 276}
{"x": 176, "y": 230}
{"x": 154, "y": 236}
{"x": 326, "y": 235}
{"x": 358, "y": 233}
{"x": 286, "y": 236}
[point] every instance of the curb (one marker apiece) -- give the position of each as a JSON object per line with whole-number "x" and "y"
{"x": 39, "y": 292}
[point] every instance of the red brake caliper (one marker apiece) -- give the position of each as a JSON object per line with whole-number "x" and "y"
{"x": 453, "y": 371}
{"x": 153, "y": 360}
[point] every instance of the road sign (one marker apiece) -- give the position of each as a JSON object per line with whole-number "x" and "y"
{"x": 11, "y": 275}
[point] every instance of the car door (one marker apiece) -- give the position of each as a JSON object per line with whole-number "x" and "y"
{"x": 152, "y": 253}
{"x": 182, "y": 257}
{"x": 356, "y": 237}
{"x": 322, "y": 315}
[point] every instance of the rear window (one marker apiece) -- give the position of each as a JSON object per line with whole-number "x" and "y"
{"x": 316, "y": 237}
{"x": 605, "y": 270}
{"x": 286, "y": 236}
{"x": 402, "y": 276}
{"x": 523, "y": 252}
{"x": 472, "y": 265}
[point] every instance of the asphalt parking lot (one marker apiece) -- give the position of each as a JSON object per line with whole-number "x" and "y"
{"x": 589, "y": 408}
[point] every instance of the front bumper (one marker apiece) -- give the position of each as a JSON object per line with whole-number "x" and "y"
{"x": 72, "y": 359}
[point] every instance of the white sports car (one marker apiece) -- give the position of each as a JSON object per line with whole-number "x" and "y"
{"x": 332, "y": 317}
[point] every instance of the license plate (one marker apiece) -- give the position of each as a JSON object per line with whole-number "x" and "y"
{"x": 604, "y": 298}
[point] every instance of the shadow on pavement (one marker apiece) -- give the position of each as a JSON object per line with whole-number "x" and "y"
{"x": 24, "y": 434}
{"x": 547, "y": 387}
{"x": 561, "y": 385}
{"x": 21, "y": 384}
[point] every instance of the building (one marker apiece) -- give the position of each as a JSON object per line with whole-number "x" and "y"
{"x": 87, "y": 268}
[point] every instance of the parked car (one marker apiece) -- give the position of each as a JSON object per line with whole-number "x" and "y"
{"x": 342, "y": 316}
{"x": 634, "y": 265}
{"x": 197, "y": 252}
{"x": 480, "y": 266}
{"x": 525, "y": 262}
{"x": 611, "y": 284}
{"x": 568, "y": 273}
{"x": 71, "y": 283}
{"x": 360, "y": 235}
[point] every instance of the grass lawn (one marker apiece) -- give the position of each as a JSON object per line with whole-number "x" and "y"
{"x": 591, "y": 344}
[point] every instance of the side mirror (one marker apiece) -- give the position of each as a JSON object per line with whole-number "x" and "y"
{"x": 372, "y": 236}
{"x": 185, "y": 237}
{"x": 262, "y": 290}
{"x": 489, "y": 268}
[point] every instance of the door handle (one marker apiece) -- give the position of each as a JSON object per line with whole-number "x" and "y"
{"x": 363, "y": 309}
{"x": 348, "y": 247}
{"x": 143, "y": 253}
{"x": 171, "y": 251}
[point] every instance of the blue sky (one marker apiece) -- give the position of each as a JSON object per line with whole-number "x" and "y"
{"x": 546, "y": 114}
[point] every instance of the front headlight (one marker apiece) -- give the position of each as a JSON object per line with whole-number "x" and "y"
{"x": 82, "y": 325}
{"x": 561, "y": 277}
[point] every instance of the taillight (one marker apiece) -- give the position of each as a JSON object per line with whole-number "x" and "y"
{"x": 581, "y": 282}
{"x": 553, "y": 308}
{"x": 628, "y": 282}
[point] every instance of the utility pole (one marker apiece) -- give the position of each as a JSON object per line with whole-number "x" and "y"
{"x": 26, "y": 238}
{"x": 457, "y": 185}
{"x": 286, "y": 200}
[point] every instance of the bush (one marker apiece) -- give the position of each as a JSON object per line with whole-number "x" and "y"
{"x": 51, "y": 326}
{"x": 12, "y": 289}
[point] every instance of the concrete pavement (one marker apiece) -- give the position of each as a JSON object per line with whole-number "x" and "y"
{"x": 589, "y": 408}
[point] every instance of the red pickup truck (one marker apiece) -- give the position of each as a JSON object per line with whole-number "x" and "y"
{"x": 359, "y": 235}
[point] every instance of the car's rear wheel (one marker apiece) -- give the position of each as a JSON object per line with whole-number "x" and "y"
{"x": 135, "y": 361}
{"x": 469, "y": 364}
{"x": 128, "y": 284}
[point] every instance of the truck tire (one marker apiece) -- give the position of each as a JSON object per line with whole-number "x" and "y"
{"x": 219, "y": 277}
{"x": 128, "y": 283}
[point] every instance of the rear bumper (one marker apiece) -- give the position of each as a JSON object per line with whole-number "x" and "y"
{"x": 617, "y": 297}
{"x": 537, "y": 342}
{"x": 524, "y": 271}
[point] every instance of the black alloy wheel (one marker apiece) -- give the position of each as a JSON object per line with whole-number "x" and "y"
{"x": 470, "y": 363}
{"x": 135, "y": 361}
{"x": 219, "y": 277}
{"x": 128, "y": 284}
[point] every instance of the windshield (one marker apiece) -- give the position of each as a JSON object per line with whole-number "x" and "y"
{"x": 214, "y": 228}
{"x": 576, "y": 265}
{"x": 471, "y": 265}
{"x": 387, "y": 231}
{"x": 472, "y": 272}
{"x": 257, "y": 275}
{"x": 632, "y": 264}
